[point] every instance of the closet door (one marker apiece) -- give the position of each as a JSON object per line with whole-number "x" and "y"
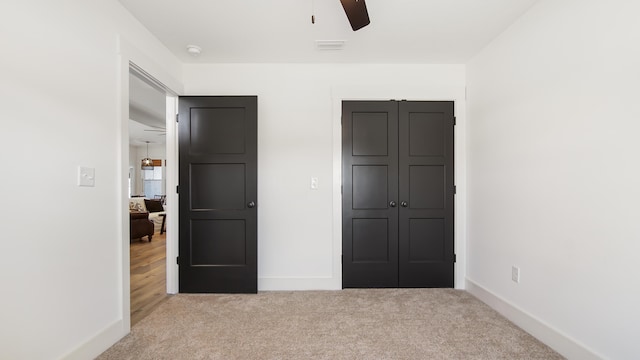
{"x": 398, "y": 189}
{"x": 426, "y": 193}
{"x": 370, "y": 194}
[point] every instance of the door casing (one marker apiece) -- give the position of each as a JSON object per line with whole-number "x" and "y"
{"x": 435, "y": 92}
{"x": 131, "y": 57}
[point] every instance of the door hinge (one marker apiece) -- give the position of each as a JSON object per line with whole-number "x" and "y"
{"x": 177, "y": 260}
{"x": 454, "y": 120}
{"x": 341, "y": 189}
{"x": 455, "y": 189}
{"x": 454, "y": 258}
{"x": 177, "y": 117}
{"x": 177, "y": 189}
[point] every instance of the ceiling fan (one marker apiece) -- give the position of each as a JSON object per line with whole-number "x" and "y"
{"x": 357, "y": 14}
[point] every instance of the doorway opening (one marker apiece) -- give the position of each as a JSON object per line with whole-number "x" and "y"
{"x": 147, "y": 191}
{"x": 151, "y": 164}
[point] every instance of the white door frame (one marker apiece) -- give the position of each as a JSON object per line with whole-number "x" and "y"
{"x": 131, "y": 58}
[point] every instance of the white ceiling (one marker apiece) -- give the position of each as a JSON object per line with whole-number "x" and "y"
{"x": 256, "y": 31}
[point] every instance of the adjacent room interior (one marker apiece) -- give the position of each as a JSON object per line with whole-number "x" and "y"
{"x": 147, "y": 195}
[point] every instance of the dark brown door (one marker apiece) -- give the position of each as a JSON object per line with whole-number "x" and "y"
{"x": 370, "y": 194}
{"x": 218, "y": 194}
{"x": 397, "y": 194}
{"x": 426, "y": 190}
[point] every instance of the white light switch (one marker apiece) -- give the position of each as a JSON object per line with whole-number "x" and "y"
{"x": 314, "y": 183}
{"x": 515, "y": 274}
{"x": 86, "y": 176}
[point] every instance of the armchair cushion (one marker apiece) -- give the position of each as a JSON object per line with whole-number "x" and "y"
{"x": 153, "y": 205}
{"x": 136, "y": 204}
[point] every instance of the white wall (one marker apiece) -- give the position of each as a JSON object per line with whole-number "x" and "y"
{"x": 299, "y": 242}
{"x": 61, "y": 246}
{"x": 553, "y": 174}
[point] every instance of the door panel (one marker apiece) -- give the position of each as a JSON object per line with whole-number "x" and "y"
{"x": 218, "y": 191}
{"x": 426, "y": 185}
{"x": 370, "y": 134}
{"x": 426, "y": 240}
{"x": 370, "y": 183}
{"x": 370, "y": 240}
{"x": 218, "y": 242}
{"x": 217, "y": 186}
{"x": 226, "y": 127}
{"x": 421, "y": 124}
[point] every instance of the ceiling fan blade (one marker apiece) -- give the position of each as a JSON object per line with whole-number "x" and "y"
{"x": 357, "y": 14}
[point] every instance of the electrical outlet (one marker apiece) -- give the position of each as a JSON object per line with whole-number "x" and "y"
{"x": 515, "y": 274}
{"x": 314, "y": 183}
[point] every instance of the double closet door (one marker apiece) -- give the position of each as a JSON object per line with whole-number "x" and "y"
{"x": 398, "y": 194}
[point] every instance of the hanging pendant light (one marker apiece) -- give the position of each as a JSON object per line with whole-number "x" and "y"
{"x": 147, "y": 163}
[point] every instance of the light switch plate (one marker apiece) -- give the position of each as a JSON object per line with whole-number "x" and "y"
{"x": 86, "y": 176}
{"x": 515, "y": 274}
{"x": 314, "y": 183}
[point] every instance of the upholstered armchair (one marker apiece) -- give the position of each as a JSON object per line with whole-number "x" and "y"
{"x": 140, "y": 225}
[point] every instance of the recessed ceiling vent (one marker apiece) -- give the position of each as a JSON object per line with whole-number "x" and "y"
{"x": 330, "y": 44}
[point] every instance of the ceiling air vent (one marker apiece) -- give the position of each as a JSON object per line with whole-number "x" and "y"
{"x": 330, "y": 44}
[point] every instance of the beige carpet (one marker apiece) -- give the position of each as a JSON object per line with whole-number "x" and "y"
{"x": 347, "y": 324}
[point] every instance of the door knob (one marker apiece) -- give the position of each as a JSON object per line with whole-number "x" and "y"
{"x": 251, "y": 205}
{"x": 392, "y": 203}
{"x": 404, "y": 204}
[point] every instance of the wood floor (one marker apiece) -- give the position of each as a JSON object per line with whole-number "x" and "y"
{"x": 148, "y": 275}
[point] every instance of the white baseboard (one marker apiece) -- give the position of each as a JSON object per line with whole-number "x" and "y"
{"x": 98, "y": 343}
{"x": 295, "y": 284}
{"x": 558, "y": 341}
